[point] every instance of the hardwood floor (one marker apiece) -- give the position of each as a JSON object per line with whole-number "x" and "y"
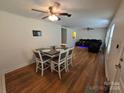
{"x": 87, "y": 71}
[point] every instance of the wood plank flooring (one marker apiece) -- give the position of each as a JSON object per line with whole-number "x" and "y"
{"x": 87, "y": 71}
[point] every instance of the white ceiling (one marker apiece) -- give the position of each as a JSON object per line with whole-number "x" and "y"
{"x": 85, "y": 13}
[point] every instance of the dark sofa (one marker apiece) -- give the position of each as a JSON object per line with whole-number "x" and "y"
{"x": 93, "y": 45}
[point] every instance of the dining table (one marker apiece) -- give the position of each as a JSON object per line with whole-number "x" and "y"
{"x": 50, "y": 52}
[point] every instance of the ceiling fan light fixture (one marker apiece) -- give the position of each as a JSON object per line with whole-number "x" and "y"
{"x": 53, "y": 18}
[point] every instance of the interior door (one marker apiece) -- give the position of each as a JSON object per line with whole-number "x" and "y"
{"x": 118, "y": 83}
{"x": 113, "y": 59}
{"x": 121, "y": 77}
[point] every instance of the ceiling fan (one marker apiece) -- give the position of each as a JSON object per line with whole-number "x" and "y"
{"x": 53, "y": 16}
{"x": 89, "y": 29}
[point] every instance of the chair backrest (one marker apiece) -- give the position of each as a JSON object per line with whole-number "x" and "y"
{"x": 37, "y": 55}
{"x": 62, "y": 55}
{"x": 70, "y": 52}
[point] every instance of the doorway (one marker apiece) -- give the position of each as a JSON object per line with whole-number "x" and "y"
{"x": 63, "y": 36}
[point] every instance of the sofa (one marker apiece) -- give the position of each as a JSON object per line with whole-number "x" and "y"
{"x": 93, "y": 45}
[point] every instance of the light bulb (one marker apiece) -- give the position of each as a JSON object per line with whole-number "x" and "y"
{"x": 53, "y": 18}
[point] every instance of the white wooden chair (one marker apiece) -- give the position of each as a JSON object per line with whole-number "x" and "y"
{"x": 42, "y": 62}
{"x": 69, "y": 58}
{"x": 58, "y": 64}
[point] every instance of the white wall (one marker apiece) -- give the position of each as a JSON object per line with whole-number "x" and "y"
{"x": 17, "y": 42}
{"x": 98, "y": 33}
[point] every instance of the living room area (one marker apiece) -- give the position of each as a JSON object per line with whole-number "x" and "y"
{"x": 51, "y": 46}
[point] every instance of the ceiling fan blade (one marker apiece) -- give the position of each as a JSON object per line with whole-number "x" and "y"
{"x": 56, "y": 4}
{"x": 45, "y": 17}
{"x": 39, "y": 11}
{"x": 65, "y": 14}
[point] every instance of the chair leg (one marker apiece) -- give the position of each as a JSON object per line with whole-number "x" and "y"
{"x": 37, "y": 66}
{"x": 71, "y": 62}
{"x": 42, "y": 69}
{"x": 51, "y": 67}
{"x": 66, "y": 70}
{"x": 59, "y": 71}
{"x": 67, "y": 66}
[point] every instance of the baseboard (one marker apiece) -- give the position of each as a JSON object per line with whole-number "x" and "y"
{"x": 3, "y": 83}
